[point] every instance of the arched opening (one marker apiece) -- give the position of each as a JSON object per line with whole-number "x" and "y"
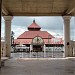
{"x": 38, "y": 44}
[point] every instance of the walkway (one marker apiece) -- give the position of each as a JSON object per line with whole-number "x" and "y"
{"x": 39, "y": 67}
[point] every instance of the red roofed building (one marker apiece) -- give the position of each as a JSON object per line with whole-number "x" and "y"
{"x": 35, "y": 38}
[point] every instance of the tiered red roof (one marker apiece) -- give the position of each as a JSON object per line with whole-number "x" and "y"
{"x": 34, "y": 25}
{"x": 34, "y": 30}
{"x": 32, "y": 34}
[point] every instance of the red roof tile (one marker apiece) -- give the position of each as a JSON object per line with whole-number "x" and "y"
{"x": 28, "y": 41}
{"x": 32, "y": 34}
{"x": 27, "y": 36}
{"x": 34, "y": 25}
{"x": 23, "y": 41}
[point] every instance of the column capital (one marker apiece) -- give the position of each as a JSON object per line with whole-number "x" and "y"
{"x": 66, "y": 17}
{"x": 8, "y": 18}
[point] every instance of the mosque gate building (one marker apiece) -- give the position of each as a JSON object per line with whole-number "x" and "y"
{"x": 37, "y": 40}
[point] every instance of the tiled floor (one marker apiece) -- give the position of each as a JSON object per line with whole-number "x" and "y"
{"x": 39, "y": 67}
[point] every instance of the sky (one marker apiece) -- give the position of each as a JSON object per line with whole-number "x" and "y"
{"x": 54, "y": 25}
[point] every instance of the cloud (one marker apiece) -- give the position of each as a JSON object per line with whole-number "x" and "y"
{"x": 53, "y": 25}
{"x": 45, "y": 22}
{"x": 21, "y": 21}
{"x": 18, "y": 30}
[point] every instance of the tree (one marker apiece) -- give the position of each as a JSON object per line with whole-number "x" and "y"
{"x": 12, "y": 38}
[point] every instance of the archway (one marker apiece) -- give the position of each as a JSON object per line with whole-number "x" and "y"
{"x": 38, "y": 44}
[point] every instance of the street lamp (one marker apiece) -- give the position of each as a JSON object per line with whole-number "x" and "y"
{"x": 48, "y": 41}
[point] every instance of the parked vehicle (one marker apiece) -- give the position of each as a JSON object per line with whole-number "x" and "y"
{"x": 21, "y": 48}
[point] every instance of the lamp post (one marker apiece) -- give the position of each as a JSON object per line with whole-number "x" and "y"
{"x": 48, "y": 42}
{"x": 68, "y": 46}
{"x": 12, "y": 38}
{"x": 53, "y": 48}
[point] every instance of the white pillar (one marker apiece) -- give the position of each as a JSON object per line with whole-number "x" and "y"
{"x": 66, "y": 35}
{"x": 31, "y": 48}
{"x": 8, "y": 34}
{"x": 44, "y": 50}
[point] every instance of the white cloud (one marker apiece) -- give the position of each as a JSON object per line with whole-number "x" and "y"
{"x": 53, "y": 25}
{"x": 18, "y": 30}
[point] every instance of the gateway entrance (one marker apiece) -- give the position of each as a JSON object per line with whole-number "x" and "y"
{"x": 37, "y": 48}
{"x": 37, "y": 43}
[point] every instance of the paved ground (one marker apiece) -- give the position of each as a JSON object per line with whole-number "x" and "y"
{"x": 39, "y": 67}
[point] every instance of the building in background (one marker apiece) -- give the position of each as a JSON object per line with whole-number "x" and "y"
{"x": 36, "y": 39}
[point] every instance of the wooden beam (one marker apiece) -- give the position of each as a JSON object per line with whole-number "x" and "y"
{"x": 4, "y": 10}
{"x": 36, "y": 14}
{"x": 69, "y": 11}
